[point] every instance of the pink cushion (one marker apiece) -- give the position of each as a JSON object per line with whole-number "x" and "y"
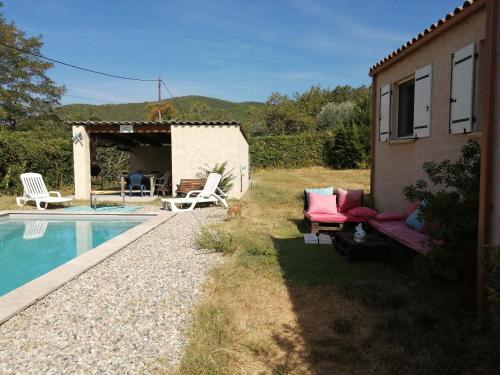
{"x": 363, "y": 211}
{"x": 410, "y": 208}
{"x": 334, "y": 218}
{"x": 402, "y": 233}
{"x": 322, "y": 204}
{"x": 349, "y": 199}
{"x": 387, "y": 216}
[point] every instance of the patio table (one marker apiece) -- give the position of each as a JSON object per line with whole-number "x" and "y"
{"x": 95, "y": 193}
{"x": 374, "y": 248}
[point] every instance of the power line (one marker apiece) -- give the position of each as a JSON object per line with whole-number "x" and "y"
{"x": 75, "y": 66}
{"x": 173, "y": 97}
{"x": 93, "y": 71}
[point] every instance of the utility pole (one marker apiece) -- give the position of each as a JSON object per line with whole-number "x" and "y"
{"x": 159, "y": 98}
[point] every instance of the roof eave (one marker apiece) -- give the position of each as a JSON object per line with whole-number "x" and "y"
{"x": 139, "y": 123}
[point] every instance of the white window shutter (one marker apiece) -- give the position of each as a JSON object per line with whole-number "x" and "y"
{"x": 462, "y": 88}
{"x": 384, "y": 113}
{"x": 422, "y": 104}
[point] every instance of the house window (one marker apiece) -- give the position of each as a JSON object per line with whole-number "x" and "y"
{"x": 409, "y": 110}
{"x": 406, "y": 102}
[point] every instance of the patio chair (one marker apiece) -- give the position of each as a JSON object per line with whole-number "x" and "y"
{"x": 210, "y": 194}
{"x": 135, "y": 180}
{"x": 162, "y": 184}
{"x": 35, "y": 190}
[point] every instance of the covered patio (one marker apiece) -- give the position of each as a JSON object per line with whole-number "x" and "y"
{"x": 161, "y": 152}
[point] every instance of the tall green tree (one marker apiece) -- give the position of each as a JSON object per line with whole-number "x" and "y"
{"x": 333, "y": 115}
{"x": 26, "y": 92}
{"x": 285, "y": 115}
{"x": 282, "y": 116}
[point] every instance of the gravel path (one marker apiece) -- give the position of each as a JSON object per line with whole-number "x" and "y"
{"x": 122, "y": 316}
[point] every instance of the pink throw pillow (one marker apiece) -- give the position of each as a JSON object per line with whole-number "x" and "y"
{"x": 349, "y": 199}
{"x": 410, "y": 208}
{"x": 322, "y": 204}
{"x": 362, "y": 211}
{"x": 388, "y": 216}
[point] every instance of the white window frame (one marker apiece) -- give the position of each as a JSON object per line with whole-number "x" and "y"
{"x": 395, "y": 114}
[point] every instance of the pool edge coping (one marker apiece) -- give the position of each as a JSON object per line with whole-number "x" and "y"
{"x": 28, "y": 294}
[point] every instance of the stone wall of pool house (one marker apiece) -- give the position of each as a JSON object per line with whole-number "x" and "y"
{"x": 399, "y": 163}
{"x": 196, "y": 146}
{"x": 81, "y": 163}
{"x": 244, "y": 170}
{"x": 150, "y": 158}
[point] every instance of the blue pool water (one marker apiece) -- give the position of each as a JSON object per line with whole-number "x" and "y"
{"x": 31, "y": 247}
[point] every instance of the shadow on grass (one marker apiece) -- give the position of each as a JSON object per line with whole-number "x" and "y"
{"x": 374, "y": 317}
{"x": 322, "y": 264}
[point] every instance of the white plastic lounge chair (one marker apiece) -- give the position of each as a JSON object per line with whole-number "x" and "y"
{"x": 210, "y": 194}
{"x": 35, "y": 190}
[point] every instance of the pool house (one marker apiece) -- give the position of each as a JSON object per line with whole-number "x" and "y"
{"x": 177, "y": 149}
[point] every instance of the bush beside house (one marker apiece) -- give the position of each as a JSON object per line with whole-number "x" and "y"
{"x": 288, "y": 151}
{"x": 348, "y": 149}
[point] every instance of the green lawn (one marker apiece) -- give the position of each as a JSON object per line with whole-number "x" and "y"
{"x": 278, "y": 306}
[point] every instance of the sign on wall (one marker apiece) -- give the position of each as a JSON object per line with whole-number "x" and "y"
{"x": 126, "y": 128}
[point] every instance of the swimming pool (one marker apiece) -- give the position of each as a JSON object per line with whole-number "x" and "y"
{"x": 32, "y": 245}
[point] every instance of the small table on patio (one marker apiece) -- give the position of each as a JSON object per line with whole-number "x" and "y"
{"x": 374, "y": 247}
{"x": 95, "y": 193}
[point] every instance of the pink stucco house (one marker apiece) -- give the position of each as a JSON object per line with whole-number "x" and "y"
{"x": 430, "y": 96}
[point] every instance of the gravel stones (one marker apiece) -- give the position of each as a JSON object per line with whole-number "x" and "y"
{"x": 128, "y": 314}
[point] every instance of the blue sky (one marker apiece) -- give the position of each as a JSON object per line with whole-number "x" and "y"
{"x": 230, "y": 49}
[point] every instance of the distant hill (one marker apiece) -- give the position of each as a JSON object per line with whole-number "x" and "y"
{"x": 193, "y": 106}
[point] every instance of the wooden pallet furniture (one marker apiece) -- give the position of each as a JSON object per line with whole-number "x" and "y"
{"x": 189, "y": 184}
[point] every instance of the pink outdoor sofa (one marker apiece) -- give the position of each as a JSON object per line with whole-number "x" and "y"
{"x": 398, "y": 230}
{"x": 392, "y": 225}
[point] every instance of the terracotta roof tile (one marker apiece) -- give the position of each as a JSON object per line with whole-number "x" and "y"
{"x": 426, "y": 32}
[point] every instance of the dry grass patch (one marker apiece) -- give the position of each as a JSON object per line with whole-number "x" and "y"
{"x": 278, "y": 306}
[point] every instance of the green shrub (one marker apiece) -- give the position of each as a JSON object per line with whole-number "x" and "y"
{"x": 226, "y": 182}
{"x": 112, "y": 162}
{"x": 450, "y": 213}
{"x": 31, "y": 151}
{"x": 216, "y": 240}
{"x": 349, "y": 148}
{"x": 293, "y": 151}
